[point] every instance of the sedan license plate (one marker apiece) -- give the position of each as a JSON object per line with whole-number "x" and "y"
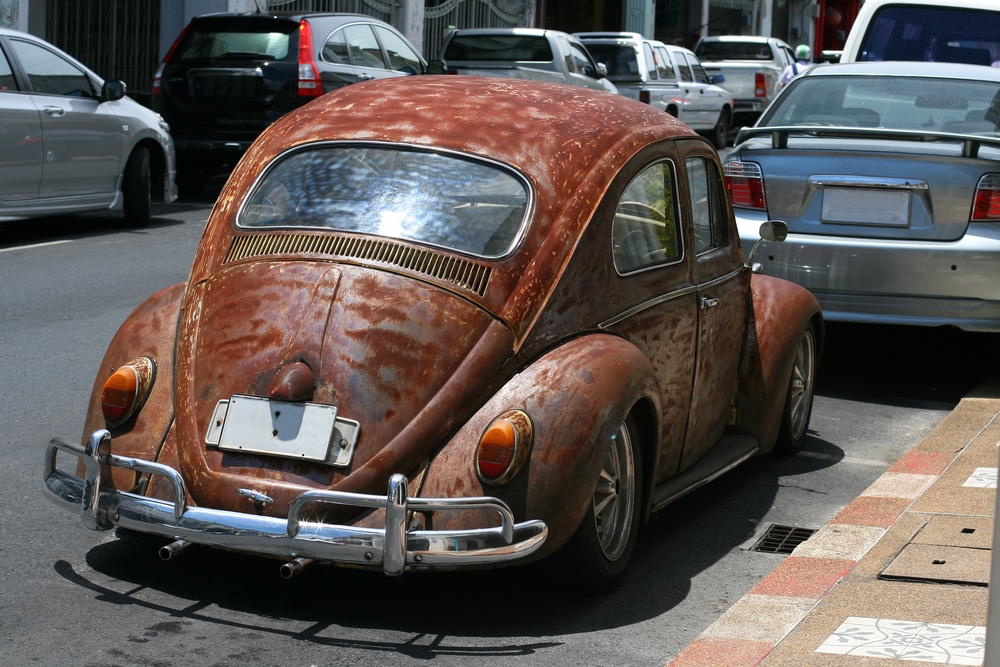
{"x": 866, "y": 207}
{"x": 256, "y": 425}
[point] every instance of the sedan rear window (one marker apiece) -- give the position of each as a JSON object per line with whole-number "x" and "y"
{"x": 894, "y": 103}
{"x": 452, "y": 202}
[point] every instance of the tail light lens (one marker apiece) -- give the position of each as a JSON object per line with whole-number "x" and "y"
{"x": 644, "y": 96}
{"x": 759, "y": 85}
{"x": 745, "y": 184}
{"x": 158, "y": 77}
{"x": 309, "y": 83}
{"x": 504, "y": 447}
{"x": 986, "y": 205}
{"x": 126, "y": 390}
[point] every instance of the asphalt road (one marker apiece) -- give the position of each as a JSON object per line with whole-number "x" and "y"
{"x": 72, "y": 596}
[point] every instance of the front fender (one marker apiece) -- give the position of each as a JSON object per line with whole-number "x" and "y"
{"x": 779, "y": 313}
{"x": 150, "y": 330}
{"x": 577, "y": 396}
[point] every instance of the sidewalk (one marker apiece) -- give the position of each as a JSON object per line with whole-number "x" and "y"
{"x": 901, "y": 573}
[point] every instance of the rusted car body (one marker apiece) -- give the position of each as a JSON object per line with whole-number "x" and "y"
{"x": 485, "y": 323}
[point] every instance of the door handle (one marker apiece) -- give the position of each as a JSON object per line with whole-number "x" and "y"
{"x": 54, "y": 111}
{"x": 709, "y": 302}
{"x": 365, "y": 77}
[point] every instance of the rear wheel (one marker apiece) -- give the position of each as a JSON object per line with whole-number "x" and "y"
{"x": 596, "y": 555}
{"x": 799, "y": 400}
{"x": 135, "y": 188}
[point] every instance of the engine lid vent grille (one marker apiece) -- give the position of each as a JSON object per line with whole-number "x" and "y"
{"x": 460, "y": 272}
{"x": 781, "y": 539}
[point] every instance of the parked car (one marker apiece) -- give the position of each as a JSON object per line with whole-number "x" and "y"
{"x": 522, "y": 53}
{"x": 72, "y": 142}
{"x": 669, "y": 78}
{"x": 888, "y": 175}
{"x": 229, "y": 76}
{"x": 958, "y": 31}
{"x": 751, "y": 67}
{"x": 426, "y": 335}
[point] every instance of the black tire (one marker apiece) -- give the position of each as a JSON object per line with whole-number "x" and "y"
{"x": 720, "y": 133}
{"x": 799, "y": 399}
{"x": 135, "y": 189}
{"x": 595, "y": 557}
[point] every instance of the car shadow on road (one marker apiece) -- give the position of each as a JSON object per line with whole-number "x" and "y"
{"x": 83, "y": 225}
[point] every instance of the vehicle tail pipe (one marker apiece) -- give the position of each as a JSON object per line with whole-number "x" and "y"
{"x": 294, "y": 567}
{"x": 173, "y": 549}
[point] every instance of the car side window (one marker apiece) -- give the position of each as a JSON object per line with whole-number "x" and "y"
{"x": 335, "y": 49}
{"x": 664, "y": 64}
{"x": 401, "y": 57}
{"x": 683, "y": 68}
{"x": 363, "y": 47}
{"x": 7, "y": 81}
{"x": 650, "y": 61}
{"x": 709, "y": 221}
{"x": 49, "y": 74}
{"x": 644, "y": 232}
{"x": 700, "y": 75}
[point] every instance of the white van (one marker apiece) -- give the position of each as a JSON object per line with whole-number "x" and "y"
{"x": 960, "y": 31}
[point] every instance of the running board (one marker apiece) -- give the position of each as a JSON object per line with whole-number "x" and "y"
{"x": 731, "y": 451}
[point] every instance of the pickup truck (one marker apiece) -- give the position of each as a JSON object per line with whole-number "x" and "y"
{"x": 521, "y": 53}
{"x": 751, "y": 67}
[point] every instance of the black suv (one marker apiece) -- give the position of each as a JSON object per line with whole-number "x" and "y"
{"x": 228, "y": 76}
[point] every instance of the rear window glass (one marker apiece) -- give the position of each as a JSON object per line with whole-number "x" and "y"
{"x": 219, "y": 41}
{"x": 620, "y": 59}
{"x": 499, "y": 48}
{"x": 944, "y": 34}
{"x": 461, "y": 204}
{"x": 733, "y": 51}
{"x": 918, "y": 104}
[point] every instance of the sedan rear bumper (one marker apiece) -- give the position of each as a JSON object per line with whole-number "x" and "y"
{"x": 396, "y": 549}
{"x": 884, "y": 281}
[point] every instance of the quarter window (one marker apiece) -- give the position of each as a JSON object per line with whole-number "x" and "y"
{"x": 709, "y": 220}
{"x": 644, "y": 232}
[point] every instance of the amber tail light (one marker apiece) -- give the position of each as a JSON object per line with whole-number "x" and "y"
{"x": 126, "y": 390}
{"x": 986, "y": 204}
{"x": 745, "y": 184}
{"x": 504, "y": 447}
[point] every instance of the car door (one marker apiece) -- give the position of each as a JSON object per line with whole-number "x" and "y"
{"x": 20, "y": 140}
{"x": 82, "y": 138}
{"x": 722, "y": 283}
{"x": 706, "y": 99}
{"x": 581, "y": 67}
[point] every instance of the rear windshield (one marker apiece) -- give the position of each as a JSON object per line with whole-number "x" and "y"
{"x": 918, "y": 104}
{"x": 499, "y": 48}
{"x": 236, "y": 39}
{"x": 945, "y": 34}
{"x": 452, "y": 202}
{"x": 733, "y": 51}
{"x": 620, "y": 59}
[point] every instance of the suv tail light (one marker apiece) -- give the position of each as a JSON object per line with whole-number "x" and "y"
{"x": 309, "y": 83}
{"x": 745, "y": 184}
{"x": 986, "y": 203}
{"x": 759, "y": 85}
{"x": 158, "y": 77}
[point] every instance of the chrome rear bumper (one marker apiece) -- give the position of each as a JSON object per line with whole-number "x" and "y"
{"x": 102, "y": 507}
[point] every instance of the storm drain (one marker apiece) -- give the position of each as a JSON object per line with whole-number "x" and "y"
{"x": 781, "y": 539}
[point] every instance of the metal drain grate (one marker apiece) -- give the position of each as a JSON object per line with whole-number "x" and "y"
{"x": 781, "y": 539}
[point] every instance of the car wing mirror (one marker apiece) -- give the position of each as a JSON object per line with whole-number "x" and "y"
{"x": 602, "y": 71}
{"x": 112, "y": 90}
{"x": 775, "y": 231}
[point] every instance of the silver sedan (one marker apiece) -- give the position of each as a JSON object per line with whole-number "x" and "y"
{"x": 888, "y": 175}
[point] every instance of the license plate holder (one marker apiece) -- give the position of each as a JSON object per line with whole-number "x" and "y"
{"x": 866, "y": 206}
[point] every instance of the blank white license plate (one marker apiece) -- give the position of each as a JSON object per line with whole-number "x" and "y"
{"x": 866, "y": 207}
{"x": 259, "y": 425}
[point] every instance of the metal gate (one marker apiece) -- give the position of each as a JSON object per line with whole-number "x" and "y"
{"x": 118, "y": 39}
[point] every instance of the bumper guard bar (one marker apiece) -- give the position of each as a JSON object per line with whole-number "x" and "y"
{"x": 102, "y": 507}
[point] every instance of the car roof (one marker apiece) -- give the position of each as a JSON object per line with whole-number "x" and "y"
{"x": 288, "y": 16}
{"x": 738, "y": 38}
{"x": 908, "y": 68}
{"x": 970, "y": 4}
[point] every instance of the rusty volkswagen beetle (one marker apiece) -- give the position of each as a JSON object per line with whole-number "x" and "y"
{"x": 447, "y": 322}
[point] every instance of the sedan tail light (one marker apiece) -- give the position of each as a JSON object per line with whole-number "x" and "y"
{"x": 309, "y": 83}
{"x": 745, "y": 184}
{"x": 986, "y": 204}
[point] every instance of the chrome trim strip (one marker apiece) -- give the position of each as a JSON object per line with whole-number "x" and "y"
{"x": 663, "y": 298}
{"x": 397, "y": 549}
{"x": 874, "y": 182}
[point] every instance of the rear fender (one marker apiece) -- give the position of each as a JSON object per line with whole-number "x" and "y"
{"x": 150, "y": 330}
{"x": 577, "y": 396}
{"x": 779, "y": 313}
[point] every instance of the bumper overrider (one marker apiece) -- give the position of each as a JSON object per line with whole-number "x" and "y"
{"x": 102, "y": 507}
